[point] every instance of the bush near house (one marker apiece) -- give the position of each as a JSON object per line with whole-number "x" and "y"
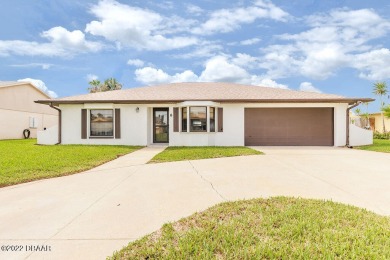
{"x": 378, "y": 135}
{"x": 23, "y": 160}
{"x": 276, "y": 228}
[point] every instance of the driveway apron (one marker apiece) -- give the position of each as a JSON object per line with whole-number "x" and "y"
{"x": 92, "y": 214}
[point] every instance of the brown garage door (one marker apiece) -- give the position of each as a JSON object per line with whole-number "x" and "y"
{"x": 289, "y": 126}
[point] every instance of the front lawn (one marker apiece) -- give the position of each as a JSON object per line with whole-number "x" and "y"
{"x": 380, "y": 145}
{"x": 276, "y": 228}
{"x": 180, "y": 153}
{"x": 23, "y": 160}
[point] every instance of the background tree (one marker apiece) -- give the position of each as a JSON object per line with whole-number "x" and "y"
{"x": 94, "y": 86}
{"x": 386, "y": 111}
{"x": 380, "y": 89}
{"x": 367, "y": 116}
{"x": 108, "y": 85}
{"x": 357, "y": 111}
{"x": 111, "y": 84}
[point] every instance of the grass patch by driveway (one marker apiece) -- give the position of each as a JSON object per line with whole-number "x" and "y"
{"x": 275, "y": 228}
{"x": 23, "y": 160}
{"x": 180, "y": 153}
{"x": 380, "y": 145}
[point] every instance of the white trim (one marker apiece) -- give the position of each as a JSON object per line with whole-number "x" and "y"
{"x": 198, "y": 103}
{"x": 98, "y": 106}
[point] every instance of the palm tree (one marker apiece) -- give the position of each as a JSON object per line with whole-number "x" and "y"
{"x": 357, "y": 111}
{"x": 107, "y": 85}
{"x": 95, "y": 86}
{"x": 386, "y": 111}
{"x": 111, "y": 84}
{"x": 367, "y": 116}
{"x": 380, "y": 89}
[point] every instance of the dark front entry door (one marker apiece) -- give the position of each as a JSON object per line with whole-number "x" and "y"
{"x": 160, "y": 125}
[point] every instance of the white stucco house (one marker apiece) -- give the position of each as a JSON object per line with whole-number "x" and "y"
{"x": 19, "y": 113}
{"x": 202, "y": 114}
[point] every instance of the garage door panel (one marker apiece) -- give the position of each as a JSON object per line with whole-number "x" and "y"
{"x": 289, "y": 126}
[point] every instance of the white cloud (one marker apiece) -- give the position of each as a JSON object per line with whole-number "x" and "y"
{"x": 220, "y": 68}
{"x": 136, "y": 62}
{"x": 91, "y": 77}
{"x": 68, "y": 40}
{"x": 203, "y": 49}
{"x": 335, "y": 40}
{"x": 138, "y": 28}
{"x": 44, "y": 66}
{"x": 250, "y": 41}
{"x": 246, "y": 42}
{"x": 40, "y": 85}
{"x": 308, "y": 87}
{"x": 152, "y": 76}
{"x": 61, "y": 43}
{"x": 227, "y": 20}
{"x": 373, "y": 65}
{"x": 194, "y": 10}
{"x": 266, "y": 82}
{"x": 167, "y": 5}
{"x": 246, "y": 61}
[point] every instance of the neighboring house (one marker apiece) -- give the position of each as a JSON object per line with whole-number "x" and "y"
{"x": 377, "y": 122}
{"x": 204, "y": 114}
{"x": 18, "y": 111}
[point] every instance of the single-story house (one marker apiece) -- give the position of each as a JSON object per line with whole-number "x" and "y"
{"x": 19, "y": 112}
{"x": 204, "y": 114}
{"x": 376, "y": 122}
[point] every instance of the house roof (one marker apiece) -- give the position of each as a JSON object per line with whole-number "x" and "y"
{"x": 6, "y": 84}
{"x": 205, "y": 91}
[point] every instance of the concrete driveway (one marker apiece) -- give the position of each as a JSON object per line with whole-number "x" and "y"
{"x": 92, "y": 214}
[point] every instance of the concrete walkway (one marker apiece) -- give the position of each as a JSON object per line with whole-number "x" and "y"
{"x": 92, "y": 214}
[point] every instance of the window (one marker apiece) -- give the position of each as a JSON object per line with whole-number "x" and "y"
{"x": 198, "y": 119}
{"x": 212, "y": 119}
{"x": 102, "y": 122}
{"x": 184, "y": 119}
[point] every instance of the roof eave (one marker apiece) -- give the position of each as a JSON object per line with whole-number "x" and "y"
{"x": 339, "y": 100}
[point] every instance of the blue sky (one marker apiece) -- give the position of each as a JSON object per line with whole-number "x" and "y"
{"x": 332, "y": 46}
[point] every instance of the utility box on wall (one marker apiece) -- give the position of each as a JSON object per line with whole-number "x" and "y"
{"x": 33, "y": 122}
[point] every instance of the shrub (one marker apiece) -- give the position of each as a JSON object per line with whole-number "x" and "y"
{"x": 378, "y": 135}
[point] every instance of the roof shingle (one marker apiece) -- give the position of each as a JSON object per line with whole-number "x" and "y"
{"x": 205, "y": 91}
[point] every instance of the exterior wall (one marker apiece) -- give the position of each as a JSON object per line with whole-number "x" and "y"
{"x": 133, "y": 125}
{"x": 359, "y": 136}
{"x": 48, "y": 136}
{"x": 17, "y": 106}
{"x": 16, "y": 121}
{"x": 233, "y": 128}
{"x": 379, "y": 123}
{"x": 137, "y": 127}
{"x": 233, "y": 124}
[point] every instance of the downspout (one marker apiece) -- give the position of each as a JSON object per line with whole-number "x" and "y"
{"x": 59, "y": 122}
{"x": 347, "y": 117}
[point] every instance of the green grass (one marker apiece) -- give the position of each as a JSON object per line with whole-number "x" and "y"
{"x": 179, "y": 153}
{"x": 276, "y": 228}
{"x": 23, "y": 160}
{"x": 380, "y": 145}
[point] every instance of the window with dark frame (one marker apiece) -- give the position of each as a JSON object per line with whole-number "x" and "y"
{"x": 198, "y": 119}
{"x": 212, "y": 119}
{"x": 184, "y": 119}
{"x": 101, "y": 122}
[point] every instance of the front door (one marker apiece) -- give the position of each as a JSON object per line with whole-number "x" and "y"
{"x": 160, "y": 125}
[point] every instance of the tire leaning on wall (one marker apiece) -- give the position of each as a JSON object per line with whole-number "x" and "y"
{"x": 26, "y": 133}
